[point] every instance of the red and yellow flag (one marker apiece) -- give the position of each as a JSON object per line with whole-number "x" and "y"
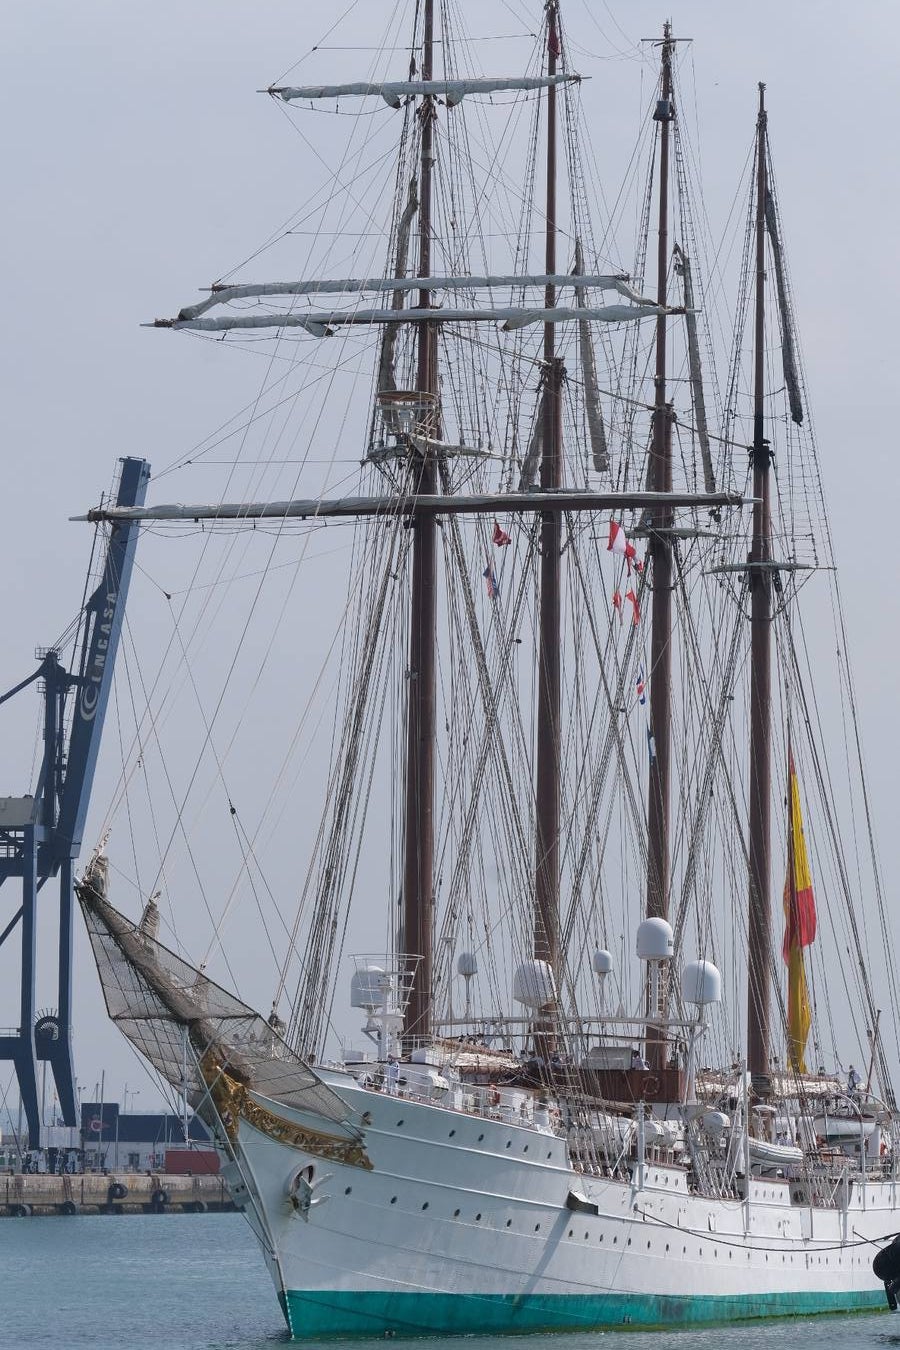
{"x": 799, "y": 925}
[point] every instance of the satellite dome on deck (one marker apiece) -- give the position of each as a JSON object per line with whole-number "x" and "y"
{"x": 534, "y": 985}
{"x": 701, "y": 983}
{"x": 655, "y": 940}
{"x": 602, "y": 962}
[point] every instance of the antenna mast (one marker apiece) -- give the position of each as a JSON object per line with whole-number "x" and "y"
{"x": 546, "y": 917}
{"x": 660, "y": 571}
{"x": 759, "y": 574}
{"x": 418, "y": 898}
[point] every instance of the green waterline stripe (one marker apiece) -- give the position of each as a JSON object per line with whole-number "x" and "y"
{"x": 317, "y": 1314}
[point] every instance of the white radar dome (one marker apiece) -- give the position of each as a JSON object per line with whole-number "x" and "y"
{"x": 534, "y": 985}
{"x": 655, "y": 941}
{"x": 701, "y": 983}
{"x": 466, "y": 964}
{"x": 366, "y": 987}
{"x": 602, "y": 963}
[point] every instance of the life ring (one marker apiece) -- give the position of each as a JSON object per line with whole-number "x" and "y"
{"x": 495, "y": 1096}
{"x": 117, "y": 1191}
{"x": 651, "y": 1085}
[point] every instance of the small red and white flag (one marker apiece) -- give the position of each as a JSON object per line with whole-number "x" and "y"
{"x": 617, "y": 603}
{"x": 618, "y": 543}
{"x": 499, "y": 536}
{"x": 635, "y": 607}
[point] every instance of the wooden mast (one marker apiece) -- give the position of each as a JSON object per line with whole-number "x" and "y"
{"x": 418, "y": 899}
{"x": 547, "y": 787}
{"x": 759, "y": 935}
{"x": 660, "y": 571}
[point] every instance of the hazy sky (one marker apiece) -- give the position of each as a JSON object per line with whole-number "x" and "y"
{"x": 140, "y": 163}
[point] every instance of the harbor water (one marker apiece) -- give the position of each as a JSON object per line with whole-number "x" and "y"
{"x": 197, "y": 1282}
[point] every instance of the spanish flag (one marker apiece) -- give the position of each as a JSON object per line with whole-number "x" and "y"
{"x": 799, "y": 924}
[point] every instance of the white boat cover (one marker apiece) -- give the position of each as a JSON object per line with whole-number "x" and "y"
{"x": 394, "y": 91}
{"x": 775, "y": 1155}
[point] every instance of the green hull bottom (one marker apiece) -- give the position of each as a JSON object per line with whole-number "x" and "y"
{"x": 312, "y": 1315}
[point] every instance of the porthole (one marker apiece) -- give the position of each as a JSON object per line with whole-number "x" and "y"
{"x": 537, "y": 1227}
{"x": 615, "y": 1240}
{"x": 347, "y": 1190}
{"x": 509, "y": 1143}
{"x": 456, "y": 1214}
{"x": 393, "y": 1199}
{"x": 425, "y": 1206}
{"x": 525, "y": 1149}
{"x": 477, "y": 1218}
{"x": 571, "y": 1232}
{"x": 585, "y": 1237}
{"x": 509, "y": 1223}
{"x": 451, "y": 1134}
{"x": 629, "y": 1242}
{"x": 648, "y": 1246}
{"x": 399, "y": 1124}
{"x": 480, "y": 1137}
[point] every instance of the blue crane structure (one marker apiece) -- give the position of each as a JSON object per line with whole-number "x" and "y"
{"x": 40, "y": 834}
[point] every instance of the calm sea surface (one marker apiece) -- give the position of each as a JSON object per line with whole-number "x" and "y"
{"x": 197, "y": 1282}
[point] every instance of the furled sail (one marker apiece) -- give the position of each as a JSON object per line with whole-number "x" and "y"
{"x": 483, "y": 503}
{"x": 223, "y": 295}
{"x": 788, "y": 346}
{"x": 393, "y": 92}
{"x": 386, "y": 379}
{"x": 695, "y": 367}
{"x": 320, "y": 323}
{"x": 592, "y": 409}
{"x": 529, "y": 474}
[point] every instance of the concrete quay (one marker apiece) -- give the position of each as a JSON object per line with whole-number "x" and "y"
{"x": 23, "y": 1195}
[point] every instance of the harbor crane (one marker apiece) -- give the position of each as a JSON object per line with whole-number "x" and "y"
{"x": 41, "y": 833}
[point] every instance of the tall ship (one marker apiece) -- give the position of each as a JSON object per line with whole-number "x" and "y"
{"x": 575, "y": 703}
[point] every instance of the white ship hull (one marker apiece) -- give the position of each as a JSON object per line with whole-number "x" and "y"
{"x": 464, "y": 1224}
